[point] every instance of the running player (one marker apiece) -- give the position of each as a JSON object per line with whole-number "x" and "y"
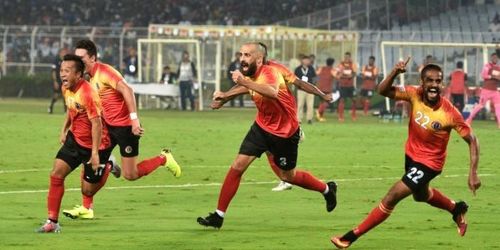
{"x": 290, "y": 79}
{"x": 431, "y": 120}
{"x": 84, "y": 137}
{"x": 276, "y": 129}
{"x": 120, "y": 116}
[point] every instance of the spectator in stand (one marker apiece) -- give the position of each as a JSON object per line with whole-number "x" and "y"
{"x": 129, "y": 66}
{"x": 306, "y": 73}
{"x": 187, "y": 76}
{"x": 167, "y": 77}
{"x": 457, "y": 86}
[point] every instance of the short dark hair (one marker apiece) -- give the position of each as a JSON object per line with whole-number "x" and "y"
{"x": 347, "y": 54}
{"x": 460, "y": 64}
{"x": 264, "y": 47}
{"x": 372, "y": 57}
{"x": 330, "y": 61}
{"x": 494, "y": 54}
{"x": 80, "y": 67}
{"x": 430, "y": 66}
{"x": 88, "y": 45}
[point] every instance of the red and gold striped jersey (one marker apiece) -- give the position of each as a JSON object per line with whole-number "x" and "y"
{"x": 83, "y": 105}
{"x": 276, "y": 116}
{"x": 104, "y": 79}
{"x": 287, "y": 74}
{"x": 429, "y": 127}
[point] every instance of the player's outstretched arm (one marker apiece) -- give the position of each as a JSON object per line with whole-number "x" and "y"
{"x": 220, "y": 98}
{"x": 385, "y": 88}
{"x": 311, "y": 89}
{"x": 128, "y": 95}
{"x": 267, "y": 90}
{"x": 473, "y": 181}
{"x": 96, "y": 141}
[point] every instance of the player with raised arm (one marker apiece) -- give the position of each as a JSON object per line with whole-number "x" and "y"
{"x": 120, "y": 116}
{"x": 431, "y": 120}
{"x": 276, "y": 129}
{"x": 84, "y": 137}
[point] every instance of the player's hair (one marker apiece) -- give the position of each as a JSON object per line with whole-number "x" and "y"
{"x": 347, "y": 53}
{"x": 372, "y": 57}
{"x": 430, "y": 66}
{"x": 330, "y": 61}
{"x": 80, "y": 67}
{"x": 460, "y": 64}
{"x": 494, "y": 54}
{"x": 263, "y": 49}
{"x": 88, "y": 45}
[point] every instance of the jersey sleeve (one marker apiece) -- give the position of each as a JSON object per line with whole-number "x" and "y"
{"x": 288, "y": 75}
{"x": 459, "y": 125}
{"x": 112, "y": 76}
{"x": 404, "y": 93}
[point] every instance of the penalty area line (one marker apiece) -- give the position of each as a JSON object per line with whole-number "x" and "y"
{"x": 189, "y": 185}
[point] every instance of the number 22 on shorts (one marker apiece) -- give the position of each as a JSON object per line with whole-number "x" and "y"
{"x": 415, "y": 174}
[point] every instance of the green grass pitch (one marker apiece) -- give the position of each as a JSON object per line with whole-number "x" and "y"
{"x": 159, "y": 212}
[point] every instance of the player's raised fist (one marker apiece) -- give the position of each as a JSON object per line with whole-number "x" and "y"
{"x": 401, "y": 66}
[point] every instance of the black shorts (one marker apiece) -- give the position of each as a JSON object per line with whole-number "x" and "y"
{"x": 74, "y": 155}
{"x": 346, "y": 92}
{"x": 366, "y": 92}
{"x": 123, "y": 136}
{"x": 284, "y": 150}
{"x": 417, "y": 175}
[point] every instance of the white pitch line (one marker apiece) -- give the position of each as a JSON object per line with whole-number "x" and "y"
{"x": 187, "y": 185}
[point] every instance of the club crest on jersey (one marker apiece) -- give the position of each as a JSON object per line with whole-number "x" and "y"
{"x": 436, "y": 125}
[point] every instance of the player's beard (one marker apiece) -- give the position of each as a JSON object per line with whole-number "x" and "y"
{"x": 251, "y": 68}
{"x": 432, "y": 94}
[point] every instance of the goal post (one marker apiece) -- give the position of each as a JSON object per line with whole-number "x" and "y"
{"x": 156, "y": 53}
{"x": 473, "y": 55}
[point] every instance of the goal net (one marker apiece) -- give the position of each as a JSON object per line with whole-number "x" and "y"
{"x": 155, "y": 54}
{"x": 473, "y": 56}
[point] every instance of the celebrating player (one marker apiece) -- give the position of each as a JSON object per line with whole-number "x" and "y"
{"x": 276, "y": 129}
{"x": 431, "y": 120}
{"x": 84, "y": 137}
{"x": 120, "y": 116}
{"x": 290, "y": 78}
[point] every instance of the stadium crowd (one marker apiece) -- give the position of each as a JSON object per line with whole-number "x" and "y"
{"x": 140, "y": 14}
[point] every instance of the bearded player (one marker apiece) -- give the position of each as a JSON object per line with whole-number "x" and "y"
{"x": 276, "y": 130}
{"x": 120, "y": 116}
{"x": 290, "y": 79}
{"x": 431, "y": 120}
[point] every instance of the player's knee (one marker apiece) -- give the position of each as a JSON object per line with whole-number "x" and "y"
{"x": 88, "y": 192}
{"x": 286, "y": 178}
{"x": 420, "y": 197}
{"x": 130, "y": 176}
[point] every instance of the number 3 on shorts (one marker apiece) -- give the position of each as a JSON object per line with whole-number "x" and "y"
{"x": 415, "y": 175}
